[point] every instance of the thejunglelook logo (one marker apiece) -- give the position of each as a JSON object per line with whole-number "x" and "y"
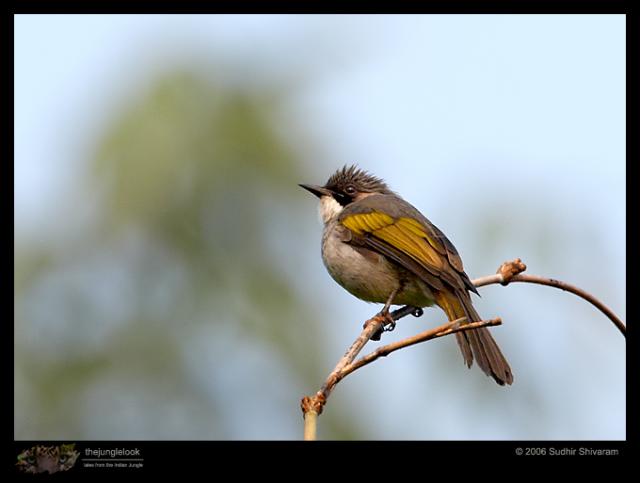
{"x": 47, "y": 458}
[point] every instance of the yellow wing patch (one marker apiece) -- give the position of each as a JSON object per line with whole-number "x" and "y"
{"x": 367, "y": 222}
{"x": 416, "y": 227}
{"x": 404, "y": 234}
{"x": 412, "y": 225}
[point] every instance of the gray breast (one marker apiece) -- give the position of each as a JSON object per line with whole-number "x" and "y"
{"x": 366, "y": 274}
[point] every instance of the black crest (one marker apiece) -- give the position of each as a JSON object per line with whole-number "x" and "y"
{"x": 361, "y": 180}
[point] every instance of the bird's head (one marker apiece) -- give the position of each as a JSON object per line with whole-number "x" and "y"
{"x": 347, "y": 185}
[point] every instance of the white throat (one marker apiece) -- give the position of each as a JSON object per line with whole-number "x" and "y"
{"x": 329, "y": 208}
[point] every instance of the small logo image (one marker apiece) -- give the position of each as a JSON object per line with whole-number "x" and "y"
{"x": 50, "y": 459}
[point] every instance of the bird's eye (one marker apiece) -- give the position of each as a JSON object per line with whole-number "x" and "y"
{"x": 350, "y": 190}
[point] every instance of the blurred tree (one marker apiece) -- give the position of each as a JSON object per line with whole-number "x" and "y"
{"x": 171, "y": 317}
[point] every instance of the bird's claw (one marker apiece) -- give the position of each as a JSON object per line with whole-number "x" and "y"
{"x": 389, "y": 327}
{"x": 388, "y": 322}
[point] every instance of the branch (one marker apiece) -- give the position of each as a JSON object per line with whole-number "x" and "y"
{"x": 508, "y": 272}
{"x": 312, "y": 406}
{"x": 445, "y": 329}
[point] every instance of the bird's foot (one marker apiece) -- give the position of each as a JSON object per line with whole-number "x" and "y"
{"x": 388, "y": 324}
{"x": 417, "y": 312}
{"x": 377, "y": 334}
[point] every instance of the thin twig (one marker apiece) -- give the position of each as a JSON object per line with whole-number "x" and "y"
{"x": 505, "y": 279}
{"x": 312, "y": 406}
{"x": 445, "y": 329}
{"x": 372, "y": 326}
{"x": 310, "y": 425}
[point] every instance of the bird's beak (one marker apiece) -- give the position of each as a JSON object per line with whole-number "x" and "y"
{"x": 319, "y": 191}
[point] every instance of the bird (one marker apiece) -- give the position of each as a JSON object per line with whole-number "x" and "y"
{"x": 382, "y": 249}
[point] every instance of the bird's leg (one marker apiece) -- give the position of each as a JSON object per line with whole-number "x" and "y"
{"x": 387, "y": 306}
{"x": 389, "y": 323}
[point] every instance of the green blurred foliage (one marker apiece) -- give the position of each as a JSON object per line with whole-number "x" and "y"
{"x": 142, "y": 326}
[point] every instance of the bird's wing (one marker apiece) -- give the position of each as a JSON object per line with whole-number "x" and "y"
{"x": 410, "y": 240}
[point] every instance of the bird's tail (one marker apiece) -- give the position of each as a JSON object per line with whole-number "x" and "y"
{"x": 476, "y": 343}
